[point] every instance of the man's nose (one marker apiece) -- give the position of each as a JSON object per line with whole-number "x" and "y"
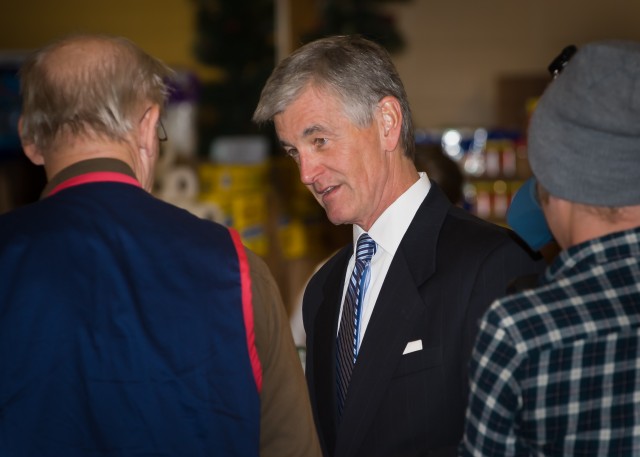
{"x": 310, "y": 167}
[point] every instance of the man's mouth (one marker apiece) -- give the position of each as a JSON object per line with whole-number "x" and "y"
{"x": 327, "y": 190}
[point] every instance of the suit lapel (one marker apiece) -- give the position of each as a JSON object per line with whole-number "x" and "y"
{"x": 396, "y": 309}
{"x": 325, "y": 328}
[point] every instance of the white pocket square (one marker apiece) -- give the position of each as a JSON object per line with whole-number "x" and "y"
{"x": 413, "y": 346}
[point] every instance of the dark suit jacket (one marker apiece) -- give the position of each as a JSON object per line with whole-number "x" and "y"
{"x": 448, "y": 269}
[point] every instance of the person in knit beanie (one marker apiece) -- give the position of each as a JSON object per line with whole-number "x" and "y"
{"x": 554, "y": 369}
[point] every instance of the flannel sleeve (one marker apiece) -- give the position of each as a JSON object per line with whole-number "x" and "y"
{"x": 494, "y": 398}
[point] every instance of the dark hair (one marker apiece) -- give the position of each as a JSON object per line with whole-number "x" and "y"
{"x": 443, "y": 170}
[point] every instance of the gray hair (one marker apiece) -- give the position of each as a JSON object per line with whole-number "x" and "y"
{"x": 359, "y": 72}
{"x": 100, "y": 94}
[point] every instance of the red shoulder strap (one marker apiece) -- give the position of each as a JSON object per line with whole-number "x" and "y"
{"x": 247, "y": 308}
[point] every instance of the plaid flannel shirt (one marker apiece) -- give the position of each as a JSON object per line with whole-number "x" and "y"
{"x": 556, "y": 369}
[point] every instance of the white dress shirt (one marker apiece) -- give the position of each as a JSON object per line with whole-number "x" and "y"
{"x": 387, "y": 231}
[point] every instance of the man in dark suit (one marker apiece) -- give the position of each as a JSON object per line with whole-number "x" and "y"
{"x": 387, "y": 345}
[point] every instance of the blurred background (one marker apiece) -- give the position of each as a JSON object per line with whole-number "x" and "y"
{"x": 472, "y": 69}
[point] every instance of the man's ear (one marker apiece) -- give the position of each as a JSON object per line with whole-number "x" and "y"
{"x": 30, "y": 150}
{"x": 390, "y": 122}
{"x": 147, "y": 131}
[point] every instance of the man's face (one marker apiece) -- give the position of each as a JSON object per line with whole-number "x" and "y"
{"x": 344, "y": 166}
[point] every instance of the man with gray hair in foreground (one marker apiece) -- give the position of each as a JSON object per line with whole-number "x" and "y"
{"x": 555, "y": 369}
{"x": 128, "y": 326}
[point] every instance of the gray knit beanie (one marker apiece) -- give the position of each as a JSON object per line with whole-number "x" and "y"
{"x": 584, "y": 135}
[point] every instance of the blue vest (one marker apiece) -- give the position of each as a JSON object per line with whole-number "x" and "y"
{"x": 123, "y": 330}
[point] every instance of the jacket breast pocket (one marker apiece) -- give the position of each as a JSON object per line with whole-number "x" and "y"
{"x": 424, "y": 359}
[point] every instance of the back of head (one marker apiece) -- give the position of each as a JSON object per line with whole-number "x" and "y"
{"x": 443, "y": 170}
{"x": 88, "y": 85}
{"x": 357, "y": 71}
{"x": 584, "y": 136}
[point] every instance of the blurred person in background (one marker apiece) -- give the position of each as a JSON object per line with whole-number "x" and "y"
{"x": 442, "y": 170}
{"x": 526, "y": 218}
{"x": 555, "y": 368}
{"x": 387, "y": 373}
{"x": 129, "y": 326}
{"x": 525, "y": 215}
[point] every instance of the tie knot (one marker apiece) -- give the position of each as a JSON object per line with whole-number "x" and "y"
{"x": 366, "y": 248}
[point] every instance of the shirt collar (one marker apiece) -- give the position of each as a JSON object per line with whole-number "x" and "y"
{"x": 605, "y": 249}
{"x": 389, "y": 229}
{"x": 84, "y": 167}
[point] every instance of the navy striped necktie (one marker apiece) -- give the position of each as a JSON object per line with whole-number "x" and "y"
{"x": 347, "y": 341}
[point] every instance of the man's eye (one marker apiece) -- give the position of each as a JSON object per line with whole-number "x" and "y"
{"x": 293, "y": 153}
{"x": 319, "y": 142}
